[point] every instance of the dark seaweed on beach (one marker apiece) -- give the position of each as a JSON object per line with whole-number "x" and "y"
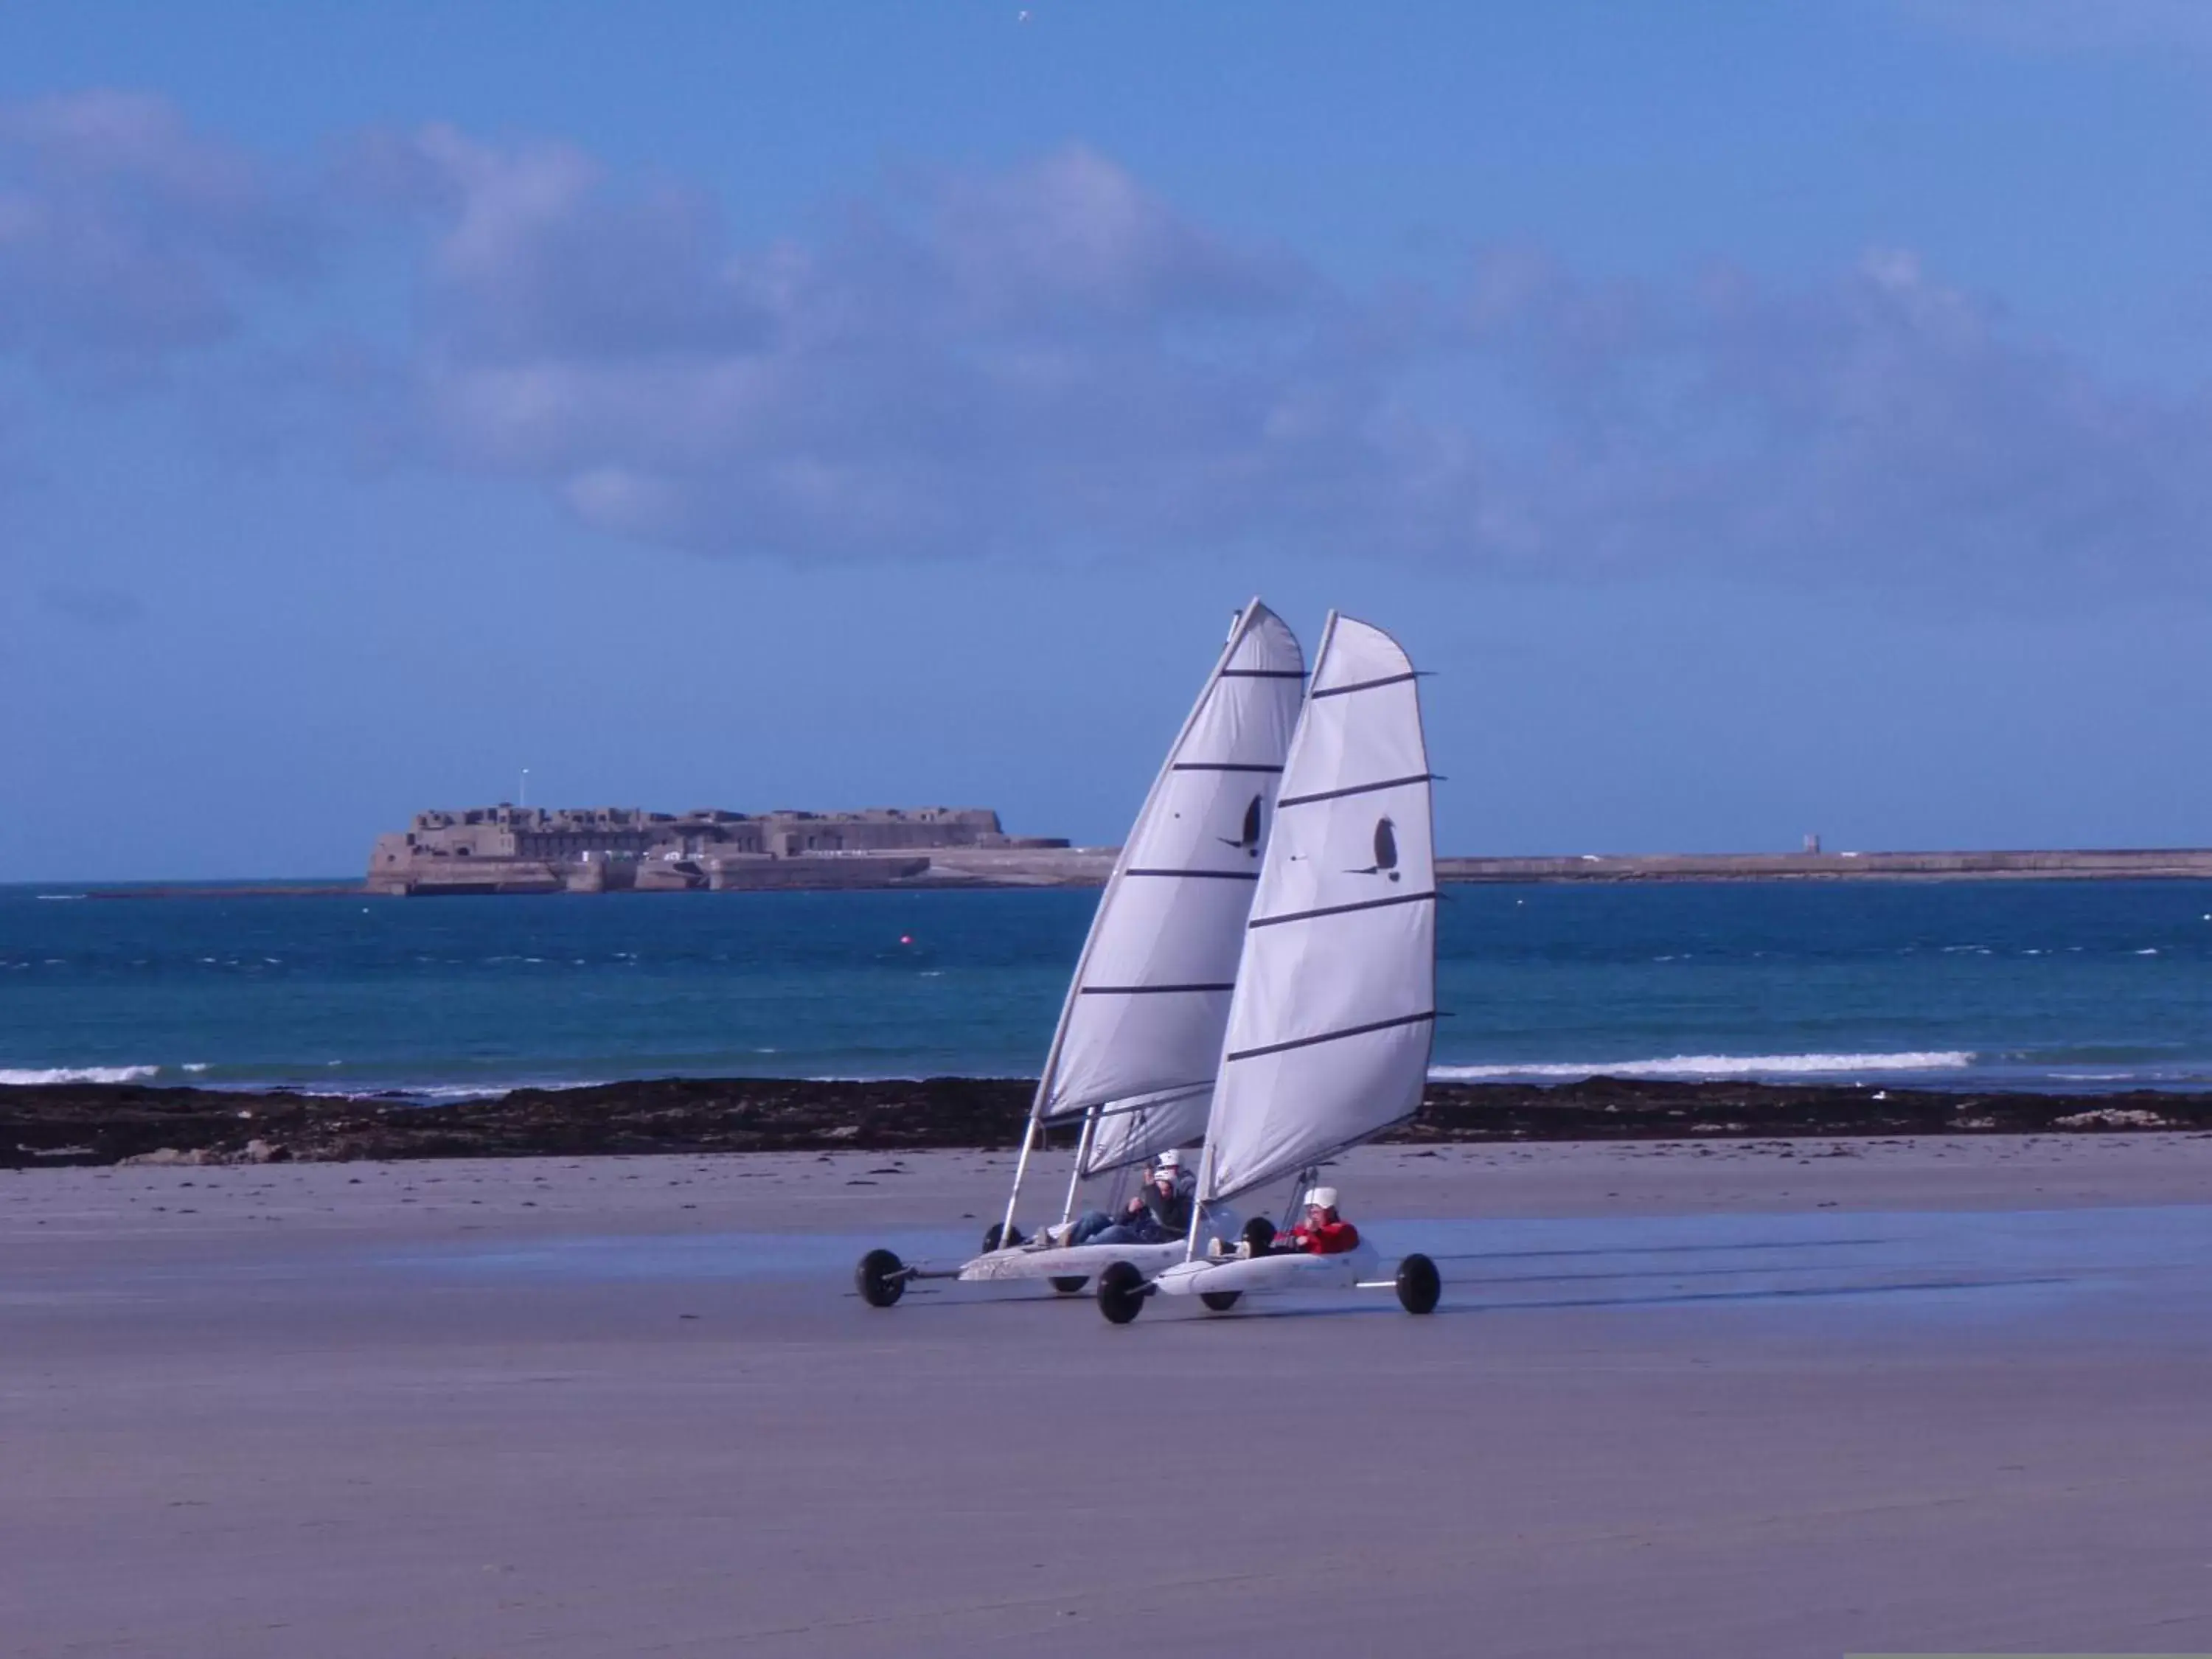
{"x": 51, "y": 1124}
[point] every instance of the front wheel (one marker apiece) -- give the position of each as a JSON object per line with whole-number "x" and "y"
{"x": 1122, "y": 1292}
{"x": 1259, "y": 1235}
{"x": 1220, "y": 1301}
{"x": 1419, "y": 1285}
{"x": 880, "y": 1278}
{"x": 1068, "y": 1284}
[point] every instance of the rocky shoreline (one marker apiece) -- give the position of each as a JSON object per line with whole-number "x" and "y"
{"x": 50, "y": 1125}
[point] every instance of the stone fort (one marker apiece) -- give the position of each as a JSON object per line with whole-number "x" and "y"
{"x": 595, "y": 849}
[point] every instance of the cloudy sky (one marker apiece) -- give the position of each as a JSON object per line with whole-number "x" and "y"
{"x": 1794, "y": 420}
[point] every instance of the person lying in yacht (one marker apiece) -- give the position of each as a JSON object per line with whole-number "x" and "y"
{"x": 1160, "y": 1210}
{"x": 1323, "y": 1232}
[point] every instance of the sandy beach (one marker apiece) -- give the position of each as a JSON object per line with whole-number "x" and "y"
{"x": 1741, "y": 1397}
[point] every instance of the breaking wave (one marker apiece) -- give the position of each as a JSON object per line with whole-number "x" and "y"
{"x": 1693, "y": 1067}
{"x": 78, "y": 1074}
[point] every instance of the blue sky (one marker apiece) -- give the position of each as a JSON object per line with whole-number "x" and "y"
{"x": 1762, "y": 419}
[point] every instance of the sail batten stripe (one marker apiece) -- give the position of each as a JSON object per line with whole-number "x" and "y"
{"x": 1341, "y": 910}
{"x": 1123, "y": 1106}
{"x": 1151, "y": 990}
{"x": 1201, "y": 875}
{"x": 1223, "y": 766}
{"x": 1263, "y": 673}
{"x": 1362, "y": 685}
{"x": 1331, "y": 1036}
{"x": 1353, "y": 789}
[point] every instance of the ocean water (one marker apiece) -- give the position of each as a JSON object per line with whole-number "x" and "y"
{"x": 2082, "y": 985}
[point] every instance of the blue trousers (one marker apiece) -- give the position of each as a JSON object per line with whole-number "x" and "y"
{"x": 1097, "y": 1227}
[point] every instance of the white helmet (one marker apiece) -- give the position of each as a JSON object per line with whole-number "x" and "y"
{"x": 1170, "y": 1160}
{"x": 1321, "y": 1198}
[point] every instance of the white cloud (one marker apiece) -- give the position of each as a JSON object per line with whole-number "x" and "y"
{"x": 1882, "y": 427}
{"x": 125, "y": 236}
{"x": 1052, "y": 359}
{"x": 2075, "y": 26}
{"x": 91, "y": 604}
{"x": 1021, "y": 360}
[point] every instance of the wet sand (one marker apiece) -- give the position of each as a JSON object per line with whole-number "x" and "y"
{"x": 1732, "y": 1399}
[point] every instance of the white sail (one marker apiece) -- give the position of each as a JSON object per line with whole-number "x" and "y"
{"x": 1133, "y": 1131}
{"x": 1334, "y": 1010}
{"x": 1141, "y": 1033}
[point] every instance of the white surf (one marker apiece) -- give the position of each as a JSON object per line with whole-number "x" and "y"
{"x": 1690, "y": 1067}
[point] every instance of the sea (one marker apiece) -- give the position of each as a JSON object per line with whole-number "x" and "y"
{"x": 2080, "y": 986}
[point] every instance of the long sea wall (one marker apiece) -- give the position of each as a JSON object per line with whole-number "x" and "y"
{"x": 2121, "y": 863}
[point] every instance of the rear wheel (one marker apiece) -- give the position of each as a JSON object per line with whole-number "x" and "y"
{"x": 1121, "y": 1293}
{"x": 1260, "y": 1234}
{"x": 1220, "y": 1301}
{"x": 1419, "y": 1285}
{"x": 1068, "y": 1284}
{"x": 880, "y": 1278}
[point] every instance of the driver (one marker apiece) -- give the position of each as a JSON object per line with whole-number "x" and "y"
{"x": 1160, "y": 1210}
{"x": 1323, "y": 1232}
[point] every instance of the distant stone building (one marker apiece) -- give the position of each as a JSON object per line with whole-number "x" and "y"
{"x": 593, "y": 850}
{"x": 534, "y": 849}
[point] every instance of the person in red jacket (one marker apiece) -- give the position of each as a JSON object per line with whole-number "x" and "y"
{"x": 1323, "y": 1232}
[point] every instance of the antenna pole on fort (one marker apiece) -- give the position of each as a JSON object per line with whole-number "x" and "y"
{"x": 525, "y": 799}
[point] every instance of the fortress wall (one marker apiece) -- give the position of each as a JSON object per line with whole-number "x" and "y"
{"x": 506, "y": 848}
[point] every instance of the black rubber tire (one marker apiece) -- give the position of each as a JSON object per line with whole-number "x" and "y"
{"x": 1220, "y": 1301}
{"x": 991, "y": 1238}
{"x": 1260, "y": 1234}
{"x": 1067, "y": 1284}
{"x": 1122, "y": 1292}
{"x": 1419, "y": 1285}
{"x": 880, "y": 1278}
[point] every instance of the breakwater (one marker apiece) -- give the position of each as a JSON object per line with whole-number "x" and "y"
{"x": 2119, "y": 863}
